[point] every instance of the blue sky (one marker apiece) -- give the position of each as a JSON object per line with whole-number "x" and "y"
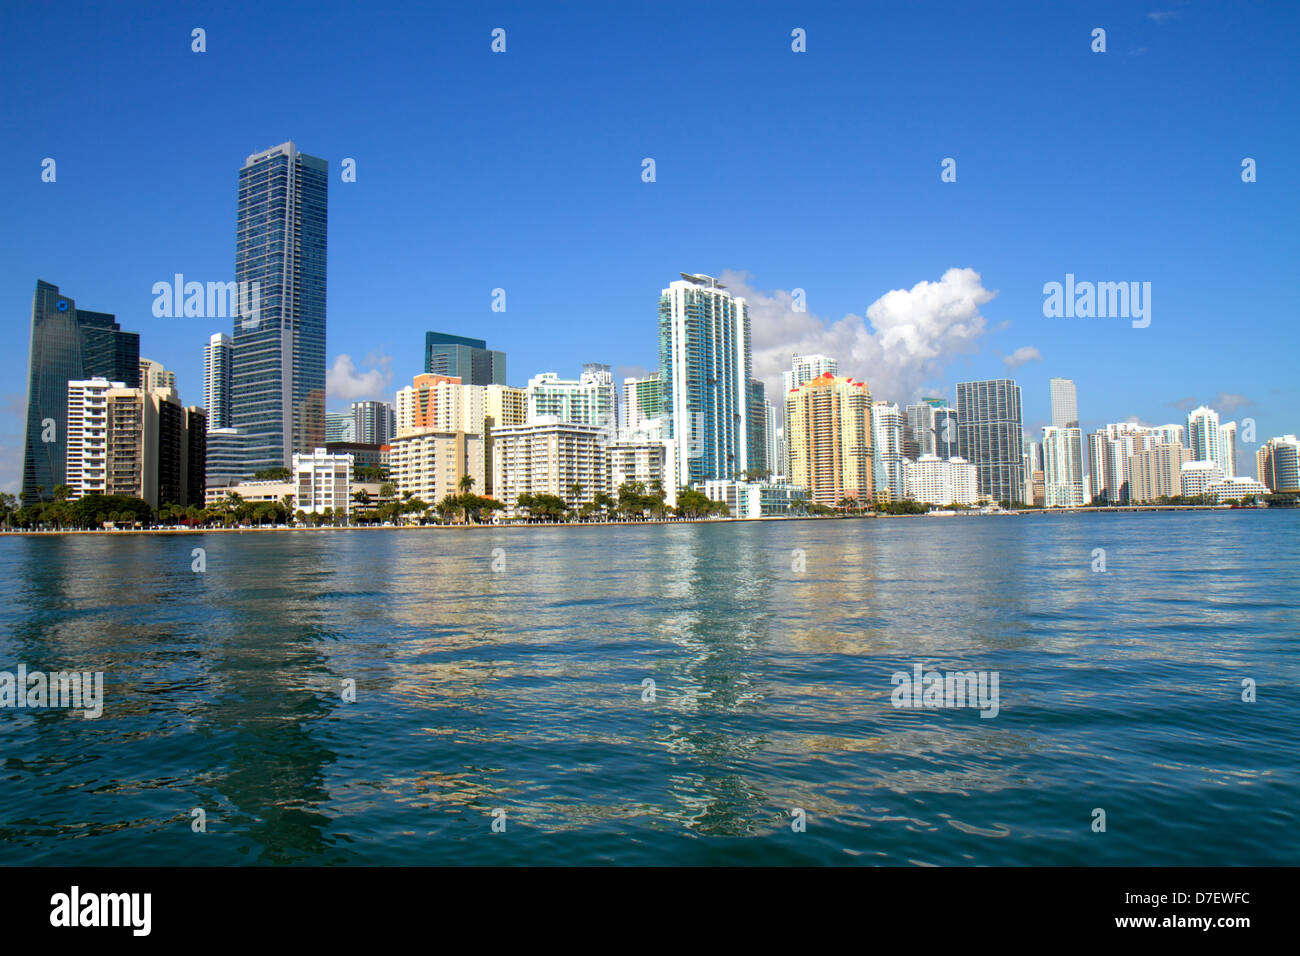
{"x": 816, "y": 170}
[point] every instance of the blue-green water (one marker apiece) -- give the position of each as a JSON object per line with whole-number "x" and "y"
{"x": 522, "y": 690}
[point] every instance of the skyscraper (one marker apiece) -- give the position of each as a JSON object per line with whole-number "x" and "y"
{"x": 1228, "y": 449}
{"x": 889, "y": 472}
{"x": 68, "y": 344}
{"x": 989, "y": 436}
{"x": 757, "y": 439}
{"x": 277, "y": 392}
{"x": 1205, "y": 437}
{"x": 831, "y": 440}
{"x": 705, "y": 367}
{"x": 590, "y": 399}
{"x": 1063, "y": 467}
{"x": 643, "y": 400}
{"x": 1065, "y": 403}
{"x": 469, "y": 360}
{"x": 373, "y": 423}
{"x": 216, "y": 380}
{"x": 1278, "y": 464}
{"x": 805, "y": 368}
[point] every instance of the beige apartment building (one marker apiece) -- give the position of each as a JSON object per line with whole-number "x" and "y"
{"x": 829, "y": 439}
{"x": 430, "y": 463}
{"x": 548, "y": 457}
{"x": 1156, "y": 472}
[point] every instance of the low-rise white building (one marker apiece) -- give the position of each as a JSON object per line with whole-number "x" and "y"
{"x": 635, "y": 457}
{"x": 323, "y": 480}
{"x": 757, "y": 499}
{"x": 1197, "y": 476}
{"x": 1233, "y": 488}
{"x": 932, "y": 480}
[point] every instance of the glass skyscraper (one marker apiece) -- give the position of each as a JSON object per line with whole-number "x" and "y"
{"x": 990, "y": 437}
{"x": 68, "y": 344}
{"x": 469, "y": 360}
{"x": 277, "y": 382}
{"x": 705, "y": 368}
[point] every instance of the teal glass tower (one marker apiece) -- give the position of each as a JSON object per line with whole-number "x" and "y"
{"x": 705, "y": 370}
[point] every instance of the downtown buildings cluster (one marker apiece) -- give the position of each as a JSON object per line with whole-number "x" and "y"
{"x": 103, "y": 421}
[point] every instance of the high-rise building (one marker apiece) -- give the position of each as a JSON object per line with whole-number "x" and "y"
{"x": 830, "y": 423}
{"x": 1277, "y": 464}
{"x": 889, "y": 471}
{"x": 590, "y": 399}
{"x": 469, "y": 360}
{"x": 1065, "y": 404}
{"x": 1063, "y": 467}
{"x": 216, "y": 380}
{"x": 989, "y": 436}
{"x": 417, "y": 404}
{"x": 705, "y": 366}
{"x": 1228, "y": 449}
{"x": 502, "y": 406}
{"x": 88, "y": 438}
{"x": 774, "y": 440}
{"x": 373, "y": 423}
{"x": 133, "y": 442}
{"x": 68, "y": 344}
{"x": 549, "y": 457}
{"x": 153, "y": 375}
{"x": 805, "y": 368}
{"x": 757, "y": 439}
{"x": 277, "y": 394}
{"x": 196, "y": 455}
{"x": 430, "y": 463}
{"x": 643, "y": 400}
{"x": 1156, "y": 472}
{"x": 339, "y": 427}
{"x": 1205, "y": 437}
{"x": 1109, "y": 451}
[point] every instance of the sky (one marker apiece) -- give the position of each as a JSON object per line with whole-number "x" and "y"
{"x": 775, "y": 170}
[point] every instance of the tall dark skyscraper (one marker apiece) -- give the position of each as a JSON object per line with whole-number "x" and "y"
{"x": 990, "y": 436}
{"x": 68, "y": 344}
{"x": 277, "y": 391}
{"x": 470, "y": 360}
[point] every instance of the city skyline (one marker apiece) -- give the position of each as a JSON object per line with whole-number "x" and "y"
{"x": 855, "y": 285}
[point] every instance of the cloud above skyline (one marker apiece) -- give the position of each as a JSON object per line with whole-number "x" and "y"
{"x": 1022, "y": 356}
{"x": 903, "y": 343}
{"x": 343, "y": 381}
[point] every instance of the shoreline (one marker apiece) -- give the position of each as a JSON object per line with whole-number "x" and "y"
{"x": 1125, "y": 509}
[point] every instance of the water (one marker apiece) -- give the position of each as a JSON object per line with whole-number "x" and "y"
{"x": 522, "y": 690}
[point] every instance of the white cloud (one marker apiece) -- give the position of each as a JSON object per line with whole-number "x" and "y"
{"x": 906, "y": 340}
{"x": 343, "y": 381}
{"x": 1228, "y": 402}
{"x": 1022, "y": 356}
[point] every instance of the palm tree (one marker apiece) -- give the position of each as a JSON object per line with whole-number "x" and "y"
{"x": 465, "y": 484}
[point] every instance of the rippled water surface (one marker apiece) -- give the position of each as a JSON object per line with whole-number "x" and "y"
{"x": 523, "y": 690}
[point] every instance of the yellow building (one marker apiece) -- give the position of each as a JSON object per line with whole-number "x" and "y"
{"x": 829, "y": 439}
